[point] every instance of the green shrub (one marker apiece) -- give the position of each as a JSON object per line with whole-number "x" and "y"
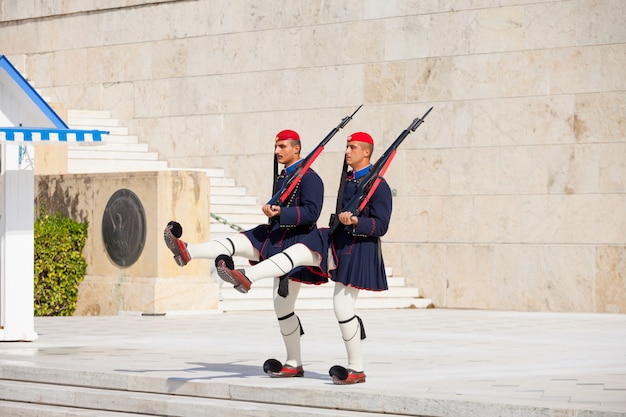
{"x": 59, "y": 264}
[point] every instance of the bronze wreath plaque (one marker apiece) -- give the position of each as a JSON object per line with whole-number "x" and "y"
{"x": 124, "y": 227}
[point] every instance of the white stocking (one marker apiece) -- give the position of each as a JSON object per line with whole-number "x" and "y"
{"x": 288, "y": 322}
{"x": 343, "y": 303}
{"x": 283, "y": 262}
{"x": 236, "y": 245}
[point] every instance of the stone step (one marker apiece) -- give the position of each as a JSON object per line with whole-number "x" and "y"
{"x": 119, "y": 152}
{"x": 320, "y": 291}
{"x": 101, "y": 122}
{"x": 71, "y": 400}
{"x": 108, "y": 165}
{"x": 266, "y": 304}
{"x": 233, "y": 200}
{"x": 113, "y": 130}
{"x": 96, "y": 154}
{"x": 228, "y": 191}
{"x": 235, "y": 209}
{"x": 109, "y": 147}
{"x": 393, "y": 282}
{"x": 313, "y": 297}
{"x": 245, "y": 218}
{"x": 95, "y": 114}
{"x": 210, "y": 172}
{"x": 121, "y": 139}
{"x": 221, "y": 230}
{"x": 214, "y": 172}
{"x": 222, "y": 182}
{"x": 21, "y": 409}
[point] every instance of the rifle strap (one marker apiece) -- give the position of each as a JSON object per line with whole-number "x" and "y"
{"x": 342, "y": 186}
{"x": 275, "y": 177}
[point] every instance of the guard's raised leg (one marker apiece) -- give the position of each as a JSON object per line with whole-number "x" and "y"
{"x": 274, "y": 266}
{"x": 236, "y": 245}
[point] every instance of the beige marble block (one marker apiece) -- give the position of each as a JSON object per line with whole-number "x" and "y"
{"x": 450, "y": 219}
{"x": 470, "y": 276}
{"x": 497, "y": 219}
{"x": 429, "y": 79}
{"x": 426, "y": 172}
{"x": 109, "y": 295}
{"x": 422, "y": 264}
{"x": 498, "y": 29}
{"x": 450, "y": 34}
{"x": 517, "y": 121}
{"x": 575, "y": 70}
{"x": 613, "y": 58}
{"x": 549, "y": 24}
{"x": 612, "y": 168}
{"x": 518, "y": 278}
{"x": 569, "y": 278}
{"x": 599, "y": 117}
{"x": 385, "y": 81}
{"x": 69, "y": 67}
{"x": 599, "y": 22}
{"x": 40, "y": 69}
{"x": 610, "y": 289}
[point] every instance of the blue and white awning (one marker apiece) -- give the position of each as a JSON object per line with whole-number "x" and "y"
{"x": 20, "y": 134}
{"x": 22, "y": 107}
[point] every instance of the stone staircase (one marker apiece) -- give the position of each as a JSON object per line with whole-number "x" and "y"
{"x": 230, "y": 205}
{"x": 33, "y": 399}
{"x": 119, "y": 151}
{"x": 320, "y": 297}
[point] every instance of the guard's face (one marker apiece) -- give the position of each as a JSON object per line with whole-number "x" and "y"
{"x": 357, "y": 155}
{"x": 287, "y": 152}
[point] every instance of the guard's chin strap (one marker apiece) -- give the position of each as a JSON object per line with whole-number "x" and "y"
{"x": 363, "y": 336}
{"x": 299, "y": 324}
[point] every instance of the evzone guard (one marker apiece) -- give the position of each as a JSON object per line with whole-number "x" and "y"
{"x": 351, "y": 247}
{"x": 355, "y": 262}
{"x": 349, "y": 252}
{"x": 293, "y": 212}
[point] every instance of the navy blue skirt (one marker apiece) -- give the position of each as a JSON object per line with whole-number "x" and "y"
{"x": 359, "y": 262}
{"x": 356, "y": 260}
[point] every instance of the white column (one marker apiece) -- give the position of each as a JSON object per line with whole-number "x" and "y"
{"x": 16, "y": 247}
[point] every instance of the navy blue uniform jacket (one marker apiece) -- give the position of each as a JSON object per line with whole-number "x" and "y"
{"x": 298, "y": 218}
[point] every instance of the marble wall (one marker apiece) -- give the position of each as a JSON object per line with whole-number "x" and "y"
{"x": 511, "y": 196}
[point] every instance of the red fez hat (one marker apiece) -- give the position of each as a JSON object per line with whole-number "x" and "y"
{"x": 287, "y": 134}
{"x": 361, "y": 137}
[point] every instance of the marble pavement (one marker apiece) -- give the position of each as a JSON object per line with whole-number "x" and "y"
{"x": 435, "y": 362}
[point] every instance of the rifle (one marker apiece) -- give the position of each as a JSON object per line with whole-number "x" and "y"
{"x": 295, "y": 177}
{"x": 370, "y": 181}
